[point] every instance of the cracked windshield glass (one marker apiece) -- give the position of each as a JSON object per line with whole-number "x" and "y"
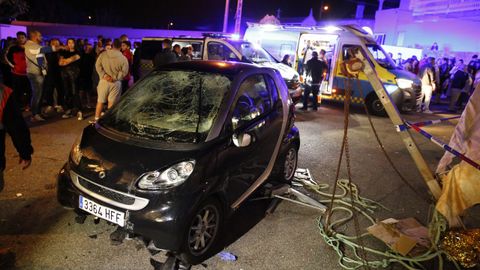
{"x": 171, "y": 106}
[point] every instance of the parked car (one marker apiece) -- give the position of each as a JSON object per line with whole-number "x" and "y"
{"x": 184, "y": 148}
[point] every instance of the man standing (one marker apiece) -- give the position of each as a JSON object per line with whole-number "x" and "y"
{"x": 166, "y": 55}
{"x": 474, "y": 65}
{"x": 459, "y": 81}
{"x": 36, "y": 70}
{"x": 128, "y": 54}
{"x": 427, "y": 76}
{"x": 177, "y": 50}
{"x": 315, "y": 69}
{"x": 11, "y": 121}
{"x": 15, "y": 57}
{"x": 53, "y": 81}
{"x": 136, "y": 61}
{"x": 111, "y": 67}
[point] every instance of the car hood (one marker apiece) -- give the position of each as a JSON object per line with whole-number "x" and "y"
{"x": 118, "y": 165}
{"x": 287, "y": 72}
{"x": 403, "y": 74}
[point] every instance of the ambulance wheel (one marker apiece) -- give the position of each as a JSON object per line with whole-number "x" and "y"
{"x": 375, "y": 106}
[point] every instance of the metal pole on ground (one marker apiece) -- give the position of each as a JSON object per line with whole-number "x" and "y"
{"x": 396, "y": 119}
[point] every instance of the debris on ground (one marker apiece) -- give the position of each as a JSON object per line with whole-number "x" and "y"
{"x": 463, "y": 246}
{"x": 227, "y": 256}
{"x": 117, "y": 237}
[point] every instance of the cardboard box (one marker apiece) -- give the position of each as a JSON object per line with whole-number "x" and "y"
{"x": 401, "y": 235}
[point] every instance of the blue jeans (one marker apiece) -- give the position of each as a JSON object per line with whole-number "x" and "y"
{"x": 36, "y": 81}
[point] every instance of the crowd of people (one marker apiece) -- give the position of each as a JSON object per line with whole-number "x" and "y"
{"x": 444, "y": 78}
{"x": 66, "y": 77}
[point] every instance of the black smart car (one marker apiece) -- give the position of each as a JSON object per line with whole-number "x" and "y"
{"x": 184, "y": 148}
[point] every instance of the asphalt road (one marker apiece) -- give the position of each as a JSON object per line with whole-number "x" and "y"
{"x": 45, "y": 236}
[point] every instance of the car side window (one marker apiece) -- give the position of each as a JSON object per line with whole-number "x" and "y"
{"x": 253, "y": 100}
{"x": 273, "y": 88}
{"x": 345, "y": 49}
{"x": 219, "y": 51}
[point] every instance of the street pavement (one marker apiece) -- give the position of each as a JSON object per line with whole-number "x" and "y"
{"x": 43, "y": 235}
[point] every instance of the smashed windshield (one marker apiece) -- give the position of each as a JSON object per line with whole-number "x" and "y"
{"x": 382, "y": 58}
{"x": 252, "y": 52}
{"x": 170, "y": 106}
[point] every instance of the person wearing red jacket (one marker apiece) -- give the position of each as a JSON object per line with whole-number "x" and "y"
{"x": 128, "y": 54}
{"x": 15, "y": 58}
{"x": 12, "y": 122}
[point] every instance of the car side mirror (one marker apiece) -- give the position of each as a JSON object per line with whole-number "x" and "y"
{"x": 242, "y": 140}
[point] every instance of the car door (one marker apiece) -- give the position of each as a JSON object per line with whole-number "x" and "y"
{"x": 256, "y": 113}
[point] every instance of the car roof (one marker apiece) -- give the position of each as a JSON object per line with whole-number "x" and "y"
{"x": 211, "y": 66}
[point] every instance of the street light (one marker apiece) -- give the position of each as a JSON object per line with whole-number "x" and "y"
{"x": 169, "y": 25}
{"x": 323, "y": 8}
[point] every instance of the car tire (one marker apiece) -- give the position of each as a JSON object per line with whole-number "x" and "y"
{"x": 287, "y": 165}
{"x": 201, "y": 240}
{"x": 375, "y": 106}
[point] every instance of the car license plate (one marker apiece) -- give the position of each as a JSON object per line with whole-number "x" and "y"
{"x": 101, "y": 211}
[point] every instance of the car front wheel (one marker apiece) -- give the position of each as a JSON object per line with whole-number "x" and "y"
{"x": 203, "y": 233}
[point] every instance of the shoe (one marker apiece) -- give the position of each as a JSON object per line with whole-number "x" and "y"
{"x": 67, "y": 115}
{"x": 37, "y": 118}
{"x": 93, "y": 121}
{"x": 79, "y": 116}
{"x": 59, "y": 109}
{"x": 427, "y": 112}
{"x": 315, "y": 109}
{"x": 48, "y": 110}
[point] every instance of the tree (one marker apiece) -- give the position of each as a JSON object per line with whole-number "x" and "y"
{"x": 11, "y": 9}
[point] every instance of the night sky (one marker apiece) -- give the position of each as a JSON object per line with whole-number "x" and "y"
{"x": 185, "y": 14}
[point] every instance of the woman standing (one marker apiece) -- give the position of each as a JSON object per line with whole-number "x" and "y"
{"x": 70, "y": 70}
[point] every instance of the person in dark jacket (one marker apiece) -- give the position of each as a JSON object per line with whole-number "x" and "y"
{"x": 166, "y": 56}
{"x": 136, "y": 61}
{"x": 315, "y": 70}
{"x": 53, "y": 81}
{"x": 286, "y": 60}
{"x": 12, "y": 122}
{"x": 460, "y": 81}
{"x": 69, "y": 62}
{"x": 87, "y": 67}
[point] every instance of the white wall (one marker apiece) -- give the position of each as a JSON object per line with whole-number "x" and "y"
{"x": 7, "y": 30}
{"x": 451, "y": 35}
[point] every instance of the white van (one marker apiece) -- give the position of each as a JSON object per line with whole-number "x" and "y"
{"x": 299, "y": 42}
{"x": 216, "y": 47}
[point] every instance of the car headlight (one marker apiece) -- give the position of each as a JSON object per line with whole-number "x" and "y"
{"x": 76, "y": 152}
{"x": 390, "y": 88}
{"x": 404, "y": 83}
{"x": 171, "y": 177}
